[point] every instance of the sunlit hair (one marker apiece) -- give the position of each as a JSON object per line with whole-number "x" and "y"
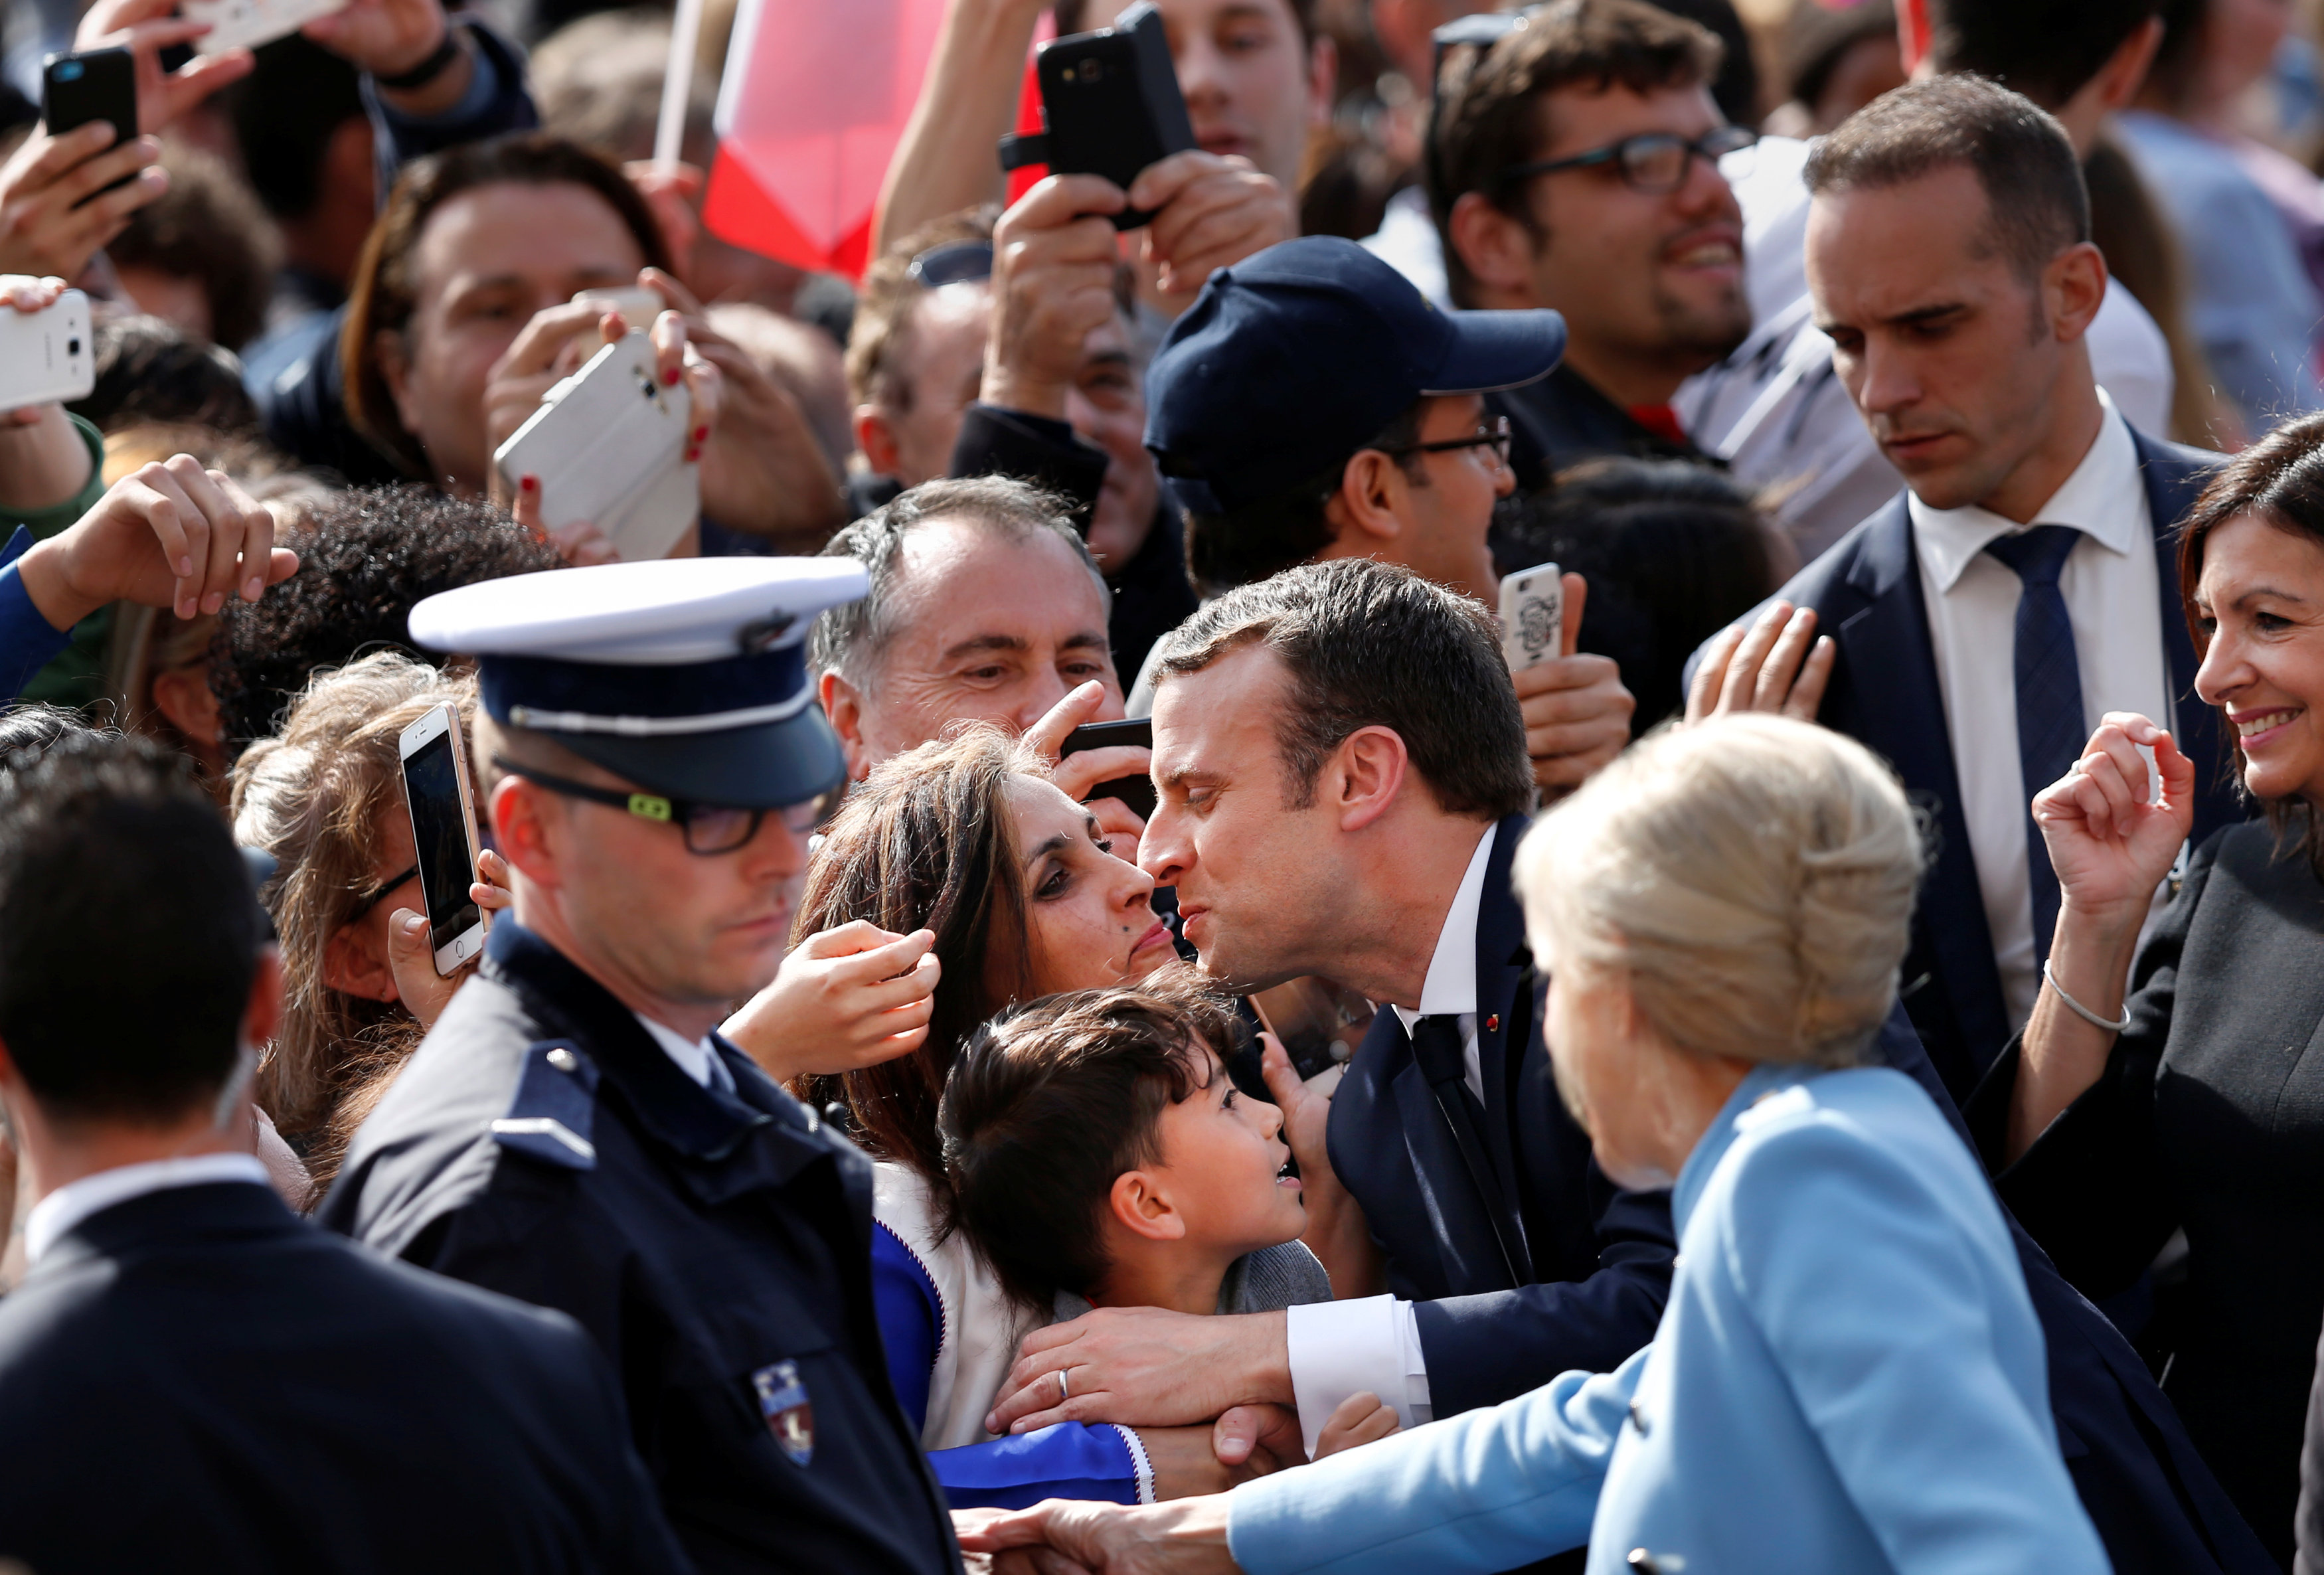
{"x": 311, "y": 797}
{"x": 928, "y": 842}
{"x": 1752, "y": 876}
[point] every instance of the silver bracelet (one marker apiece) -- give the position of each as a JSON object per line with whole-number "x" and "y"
{"x": 2081, "y": 1012}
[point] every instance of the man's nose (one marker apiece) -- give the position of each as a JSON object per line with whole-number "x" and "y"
{"x": 1160, "y": 851}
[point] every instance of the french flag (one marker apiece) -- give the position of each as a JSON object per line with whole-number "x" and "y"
{"x": 810, "y": 109}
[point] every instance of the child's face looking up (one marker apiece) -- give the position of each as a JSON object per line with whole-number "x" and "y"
{"x": 1222, "y": 1158}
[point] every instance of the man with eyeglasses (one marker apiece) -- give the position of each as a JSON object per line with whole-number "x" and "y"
{"x": 576, "y": 1133}
{"x": 1310, "y": 405}
{"x": 1574, "y": 165}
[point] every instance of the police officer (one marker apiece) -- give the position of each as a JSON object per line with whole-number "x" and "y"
{"x": 576, "y": 1133}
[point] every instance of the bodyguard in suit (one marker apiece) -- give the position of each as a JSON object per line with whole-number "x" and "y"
{"x": 1340, "y": 769}
{"x": 192, "y": 1377}
{"x": 1974, "y": 631}
{"x": 573, "y": 1132}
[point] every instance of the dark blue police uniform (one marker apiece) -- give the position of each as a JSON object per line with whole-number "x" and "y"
{"x": 709, "y": 1232}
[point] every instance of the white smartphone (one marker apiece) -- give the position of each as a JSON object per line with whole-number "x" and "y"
{"x": 1533, "y": 617}
{"x": 46, "y": 355}
{"x": 638, "y": 305}
{"x": 247, "y": 23}
{"x": 609, "y": 445}
{"x": 443, "y": 803}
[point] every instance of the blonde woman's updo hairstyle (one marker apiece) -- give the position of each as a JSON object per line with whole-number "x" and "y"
{"x": 1754, "y": 877}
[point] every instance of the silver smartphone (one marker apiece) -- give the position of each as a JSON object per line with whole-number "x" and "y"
{"x": 609, "y": 445}
{"x": 247, "y": 23}
{"x": 443, "y": 803}
{"x": 639, "y": 306}
{"x": 1533, "y": 617}
{"x": 46, "y": 355}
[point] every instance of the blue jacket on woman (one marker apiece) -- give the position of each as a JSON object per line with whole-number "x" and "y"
{"x": 1848, "y": 1377}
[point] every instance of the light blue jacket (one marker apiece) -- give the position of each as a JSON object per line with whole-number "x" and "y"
{"x": 1848, "y": 1377}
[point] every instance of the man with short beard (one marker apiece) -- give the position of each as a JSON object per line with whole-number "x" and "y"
{"x": 1576, "y": 167}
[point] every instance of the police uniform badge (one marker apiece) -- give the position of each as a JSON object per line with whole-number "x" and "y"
{"x": 790, "y": 1416}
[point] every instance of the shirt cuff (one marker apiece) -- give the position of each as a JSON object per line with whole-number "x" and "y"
{"x": 1145, "y": 1467}
{"x": 1338, "y": 1349}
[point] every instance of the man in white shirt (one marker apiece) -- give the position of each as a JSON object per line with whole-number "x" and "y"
{"x": 1773, "y": 411}
{"x": 191, "y": 1375}
{"x": 2025, "y": 584}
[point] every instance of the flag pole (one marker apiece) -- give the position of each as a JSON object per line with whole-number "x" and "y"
{"x": 677, "y": 83}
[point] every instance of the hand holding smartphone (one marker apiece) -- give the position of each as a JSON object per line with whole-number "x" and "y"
{"x": 247, "y": 23}
{"x": 442, "y": 800}
{"x": 91, "y": 86}
{"x": 1110, "y": 104}
{"x": 1135, "y": 733}
{"x": 47, "y": 356}
{"x": 609, "y": 445}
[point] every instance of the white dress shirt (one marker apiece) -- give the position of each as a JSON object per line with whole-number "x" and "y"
{"x": 2113, "y": 592}
{"x": 76, "y": 1201}
{"x": 694, "y": 1057}
{"x": 1338, "y": 1349}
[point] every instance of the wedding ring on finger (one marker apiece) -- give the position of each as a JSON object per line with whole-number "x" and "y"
{"x": 1064, "y": 1387}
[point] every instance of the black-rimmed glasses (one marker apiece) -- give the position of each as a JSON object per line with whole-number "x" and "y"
{"x": 1653, "y": 162}
{"x": 954, "y": 262}
{"x": 710, "y": 829}
{"x": 1493, "y": 434}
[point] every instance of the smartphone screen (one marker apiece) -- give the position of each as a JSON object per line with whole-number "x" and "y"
{"x": 431, "y": 782}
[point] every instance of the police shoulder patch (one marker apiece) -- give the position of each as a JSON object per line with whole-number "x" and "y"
{"x": 552, "y": 1117}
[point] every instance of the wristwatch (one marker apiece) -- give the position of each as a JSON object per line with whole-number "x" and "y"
{"x": 438, "y": 58}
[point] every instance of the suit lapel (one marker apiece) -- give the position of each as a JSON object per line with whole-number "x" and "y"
{"x": 1899, "y": 713}
{"x": 1504, "y": 967}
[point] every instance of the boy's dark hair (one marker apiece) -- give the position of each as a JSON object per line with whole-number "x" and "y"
{"x": 209, "y": 229}
{"x": 128, "y": 933}
{"x": 1049, "y": 1102}
{"x": 366, "y": 558}
{"x": 1274, "y": 534}
{"x": 149, "y": 370}
{"x": 1368, "y": 644}
{"x": 2047, "y": 49}
{"x": 1486, "y": 121}
{"x": 2036, "y": 205}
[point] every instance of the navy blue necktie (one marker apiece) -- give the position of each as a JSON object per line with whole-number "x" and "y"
{"x": 2050, "y": 729}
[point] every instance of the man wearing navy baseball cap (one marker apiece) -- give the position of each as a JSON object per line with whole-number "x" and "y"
{"x": 1311, "y": 404}
{"x": 575, "y": 1131}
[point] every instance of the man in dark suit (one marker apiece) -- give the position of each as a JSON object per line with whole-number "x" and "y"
{"x": 190, "y": 1377}
{"x": 1340, "y": 767}
{"x": 1975, "y": 630}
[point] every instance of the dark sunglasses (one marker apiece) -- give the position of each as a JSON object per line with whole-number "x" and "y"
{"x": 954, "y": 262}
{"x": 1655, "y": 162}
{"x": 710, "y": 829}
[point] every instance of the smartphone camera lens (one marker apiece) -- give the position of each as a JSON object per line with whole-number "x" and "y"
{"x": 68, "y": 71}
{"x": 72, "y": 346}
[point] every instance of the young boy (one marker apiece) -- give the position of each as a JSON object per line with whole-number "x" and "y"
{"x": 1100, "y": 1156}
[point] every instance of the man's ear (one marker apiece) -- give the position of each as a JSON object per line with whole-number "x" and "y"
{"x": 184, "y": 696}
{"x": 352, "y": 967}
{"x": 877, "y": 439}
{"x": 2125, "y": 72}
{"x": 1141, "y": 1206}
{"x": 1496, "y": 249}
{"x": 1322, "y": 78}
{"x": 1364, "y": 776}
{"x": 263, "y": 1014}
{"x": 845, "y": 707}
{"x": 521, "y": 827}
{"x": 1366, "y": 514}
{"x": 2073, "y": 287}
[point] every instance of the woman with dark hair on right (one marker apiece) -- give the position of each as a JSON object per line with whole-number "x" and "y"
{"x": 2178, "y": 1085}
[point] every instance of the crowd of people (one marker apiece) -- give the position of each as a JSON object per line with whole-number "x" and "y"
{"x": 1765, "y": 1084}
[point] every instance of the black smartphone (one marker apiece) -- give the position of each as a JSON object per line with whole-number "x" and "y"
{"x": 93, "y": 85}
{"x": 1112, "y": 102}
{"x": 443, "y": 806}
{"x": 1136, "y": 731}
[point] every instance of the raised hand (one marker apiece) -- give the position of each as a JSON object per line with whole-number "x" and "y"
{"x": 1210, "y": 212}
{"x": 1077, "y": 774}
{"x": 169, "y": 535}
{"x": 844, "y": 998}
{"x": 1774, "y": 664}
{"x": 50, "y": 222}
{"x": 146, "y": 28}
{"x": 2110, "y": 839}
{"x": 1053, "y": 268}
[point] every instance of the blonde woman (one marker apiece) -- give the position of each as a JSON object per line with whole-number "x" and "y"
{"x": 325, "y": 799}
{"x": 1849, "y": 1376}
